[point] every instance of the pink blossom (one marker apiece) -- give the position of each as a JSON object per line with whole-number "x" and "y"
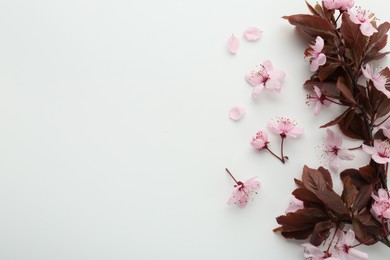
{"x": 260, "y": 141}
{"x": 345, "y": 247}
{"x": 315, "y": 55}
{"x": 315, "y": 253}
{"x": 335, "y": 151}
{"x": 339, "y": 4}
{"x": 236, "y": 113}
{"x": 252, "y": 33}
{"x": 243, "y": 192}
{"x": 233, "y": 44}
{"x": 265, "y": 77}
{"x": 318, "y": 99}
{"x": 380, "y": 153}
{"x": 285, "y": 127}
{"x": 364, "y": 19}
{"x": 295, "y": 204}
{"x": 377, "y": 79}
{"x": 381, "y": 206}
{"x": 386, "y": 128}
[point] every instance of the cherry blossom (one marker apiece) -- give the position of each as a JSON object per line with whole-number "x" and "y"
{"x": 295, "y": 204}
{"x": 233, "y": 44}
{"x": 243, "y": 191}
{"x": 315, "y": 253}
{"x": 265, "y": 77}
{"x": 377, "y": 79}
{"x": 380, "y": 153}
{"x": 364, "y": 19}
{"x": 345, "y": 248}
{"x": 285, "y": 127}
{"x": 236, "y": 113}
{"x": 318, "y": 99}
{"x": 260, "y": 141}
{"x": 381, "y": 205}
{"x": 335, "y": 151}
{"x": 252, "y": 33}
{"x": 315, "y": 55}
{"x": 343, "y": 5}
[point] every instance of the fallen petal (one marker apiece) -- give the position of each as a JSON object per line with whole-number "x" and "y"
{"x": 236, "y": 113}
{"x": 233, "y": 44}
{"x": 252, "y": 33}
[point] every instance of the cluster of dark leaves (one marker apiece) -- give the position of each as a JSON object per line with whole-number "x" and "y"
{"x": 338, "y": 79}
{"x": 325, "y": 209}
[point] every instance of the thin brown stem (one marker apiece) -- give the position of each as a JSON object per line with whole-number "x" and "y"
{"x": 281, "y": 149}
{"x": 231, "y": 175}
{"x": 276, "y": 156}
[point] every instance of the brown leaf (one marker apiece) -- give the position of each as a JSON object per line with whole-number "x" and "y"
{"x": 353, "y": 126}
{"x": 312, "y": 9}
{"x": 327, "y": 177}
{"x": 360, "y": 230}
{"x": 333, "y": 201}
{"x": 375, "y": 56}
{"x": 325, "y": 71}
{"x": 363, "y": 197}
{"x": 345, "y": 90}
{"x": 369, "y": 174}
{"x": 337, "y": 119}
{"x": 349, "y": 192}
{"x": 312, "y": 25}
{"x": 353, "y": 37}
{"x": 313, "y": 179}
{"x": 321, "y": 232}
{"x": 355, "y": 176}
{"x": 377, "y": 41}
{"x": 306, "y": 196}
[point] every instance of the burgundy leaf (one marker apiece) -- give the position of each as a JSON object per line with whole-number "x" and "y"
{"x": 378, "y": 41}
{"x": 325, "y": 71}
{"x": 333, "y": 201}
{"x": 321, "y": 232}
{"x": 337, "y": 119}
{"x": 349, "y": 192}
{"x": 306, "y": 196}
{"x": 363, "y": 197}
{"x": 326, "y": 174}
{"x": 313, "y": 179}
{"x": 353, "y": 126}
{"x": 369, "y": 174}
{"x": 345, "y": 90}
{"x": 355, "y": 176}
{"x": 360, "y": 230}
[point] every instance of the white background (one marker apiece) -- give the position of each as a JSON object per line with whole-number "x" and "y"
{"x": 114, "y": 133}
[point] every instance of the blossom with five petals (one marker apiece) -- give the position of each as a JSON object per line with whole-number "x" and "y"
{"x": 343, "y": 5}
{"x": 315, "y": 253}
{"x": 377, "y": 79}
{"x": 318, "y": 99}
{"x": 265, "y": 77}
{"x": 345, "y": 247}
{"x": 285, "y": 127}
{"x": 363, "y": 18}
{"x": 335, "y": 151}
{"x": 260, "y": 141}
{"x": 381, "y": 205}
{"x": 315, "y": 55}
{"x": 380, "y": 153}
{"x": 243, "y": 191}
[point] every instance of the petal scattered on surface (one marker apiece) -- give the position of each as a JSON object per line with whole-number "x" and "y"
{"x": 236, "y": 113}
{"x": 252, "y": 33}
{"x": 233, "y": 44}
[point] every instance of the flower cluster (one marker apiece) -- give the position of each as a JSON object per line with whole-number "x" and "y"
{"x": 343, "y": 44}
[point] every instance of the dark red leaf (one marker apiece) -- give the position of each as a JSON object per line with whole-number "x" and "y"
{"x": 313, "y": 179}
{"x": 355, "y": 176}
{"x": 312, "y": 25}
{"x": 360, "y": 230}
{"x": 337, "y": 119}
{"x": 363, "y": 197}
{"x": 300, "y": 235}
{"x": 325, "y": 71}
{"x": 313, "y": 10}
{"x": 349, "y": 192}
{"x": 378, "y": 41}
{"x": 369, "y": 174}
{"x": 345, "y": 90}
{"x": 326, "y": 174}
{"x": 306, "y": 196}
{"x": 333, "y": 201}
{"x": 353, "y": 126}
{"x": 375, "y": 56}
{"x": 321, "y": 232}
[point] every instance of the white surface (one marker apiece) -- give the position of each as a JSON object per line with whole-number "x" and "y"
{"x": 114, "y": 130}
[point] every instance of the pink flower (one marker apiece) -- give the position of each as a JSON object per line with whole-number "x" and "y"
{"x": 285, "y": 127}
{"x": 364, "y": 19}
{"x": 233, "y": 44}
{"x": 345, "y": 248}
{"x": 339, "y": 4}
{"x": 381, "y": 206}
{"x": 315, "y": 55}
{"x": 335, "y": 151}
{"x": 315, "y": 253}
{"x": 236, "y": 113}
{"x": 294, "y": 205}
{"x": 252, "y": 33}
{"x": 266, "y": 77}
{"x": 377, "y": 79}
{"x": 318, "y": 99}
{"x": 380, "y": 153}
{"x": 243, "y": 192}
{"x": 386, "y": 128}
{"x": 260, "y": 141}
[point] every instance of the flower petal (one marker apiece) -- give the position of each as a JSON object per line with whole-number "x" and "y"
{"x": 295, "y": 132}
{"x": 236, "y": 113}
{"x": 380, "y": 159}
{"x": 367, "y": 29}
{"x": 233, "y": 44}
{"x": 368, "y": 149}
{"x": 268, "y": 65}
{"x": 321, "y": 59}
{"x": 357, "y": 255}
{"x": 252, "y": 33}
{"x": 256, "y": 91}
